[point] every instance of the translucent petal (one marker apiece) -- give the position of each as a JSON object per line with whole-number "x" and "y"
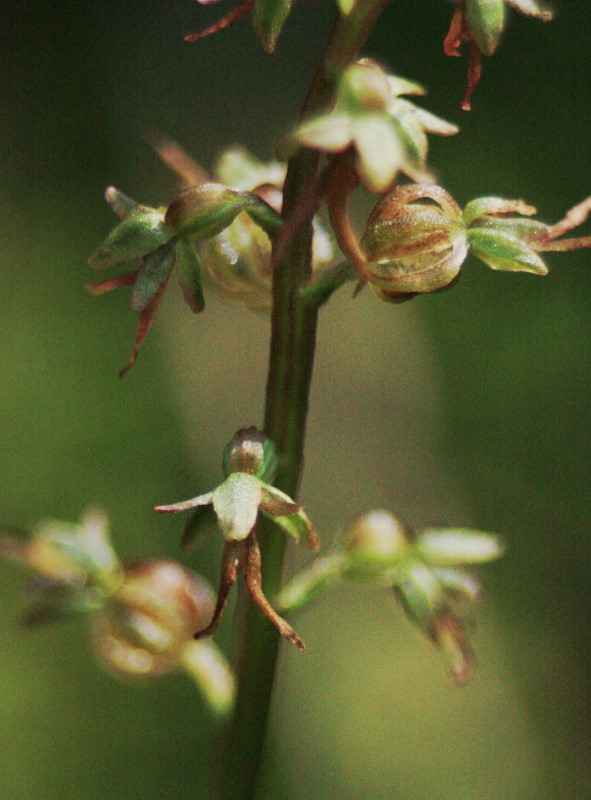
{"x": 330, "y": 132}
{"x": 450, "y": 546}
{"x": 380, "y": 151}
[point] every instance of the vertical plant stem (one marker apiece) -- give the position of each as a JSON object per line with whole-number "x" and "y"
{"x": 291, "y": 360}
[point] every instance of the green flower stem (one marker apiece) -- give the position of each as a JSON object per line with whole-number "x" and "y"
{"x": 293, "y": 339}
{"x": 323, "y": 286}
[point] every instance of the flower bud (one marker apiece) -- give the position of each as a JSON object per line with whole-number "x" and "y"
{"x": 138, "y": 234}
{"x": 204, "y": 211}
{"x": 375, "y": 541}
{"x": 250, "y": 451}
{"x": 363, "y": 87}
{"x": 414, "y": 247}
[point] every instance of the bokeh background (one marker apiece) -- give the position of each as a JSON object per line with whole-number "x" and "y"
{"x": 470, "y": 407}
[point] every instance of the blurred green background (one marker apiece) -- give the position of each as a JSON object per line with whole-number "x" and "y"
{"x": 469, "y": 407}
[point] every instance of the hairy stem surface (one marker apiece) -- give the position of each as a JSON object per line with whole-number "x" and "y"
{"x": 293, "y": 340}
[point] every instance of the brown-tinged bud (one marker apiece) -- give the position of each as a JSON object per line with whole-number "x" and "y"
{"x": 414, "y": 247}
{"x": 250, "y": 451}
{"x": 146, "y": 623}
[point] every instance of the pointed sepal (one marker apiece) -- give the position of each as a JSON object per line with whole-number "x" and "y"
{"x": 134, "y": 237}
{"x": 268, "y": 18}
{"x": 503, "y": 252}
{"x": 190, "y": 275}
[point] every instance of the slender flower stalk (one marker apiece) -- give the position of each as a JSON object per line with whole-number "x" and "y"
{"x": 293, "y": 339}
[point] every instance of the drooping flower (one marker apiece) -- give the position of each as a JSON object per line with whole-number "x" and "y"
{"x": 481, "y": 23}
{"x": 424, "y": 570}
{"x": 142, "y": 614}
{"x": 249, "y": 464}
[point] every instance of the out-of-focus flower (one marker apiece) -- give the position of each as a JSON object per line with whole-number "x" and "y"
{"x": 417, "y": 238}
{"x": 143, "y": 615}
{"x": 481, "y": 24}
{"x": 249, "y": 465}
{"x": 237, "y": 262}
{"x": 422, "y": 569}
{"x": 371, "y": 117}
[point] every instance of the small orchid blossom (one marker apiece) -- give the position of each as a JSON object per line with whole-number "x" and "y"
{"x": 424, "y": 570}
{"x": 249, "y": 462}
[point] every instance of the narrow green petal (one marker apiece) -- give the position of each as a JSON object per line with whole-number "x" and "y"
{"x": 503, "y": 252}
{"x": 206, "y": 210}
{"x": 298, "y": 526}
{"x": 189, "y": 274}
{"x": 236, "y": 503}
{"x": 121, "y": 205}
{"x": 153, "y": 273}
{"x": 137, "y": 235}
{"x": 486, "y": 20}
{"x": 451, "y": 546}
{"x": 58, "y": 603}
{"x": 268, "y": 18}
{"x": 201, "y": 522}
{"x": 521, "y": 228}
{"x": 495, "y": 206}
{"x": 420, "y": 593}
